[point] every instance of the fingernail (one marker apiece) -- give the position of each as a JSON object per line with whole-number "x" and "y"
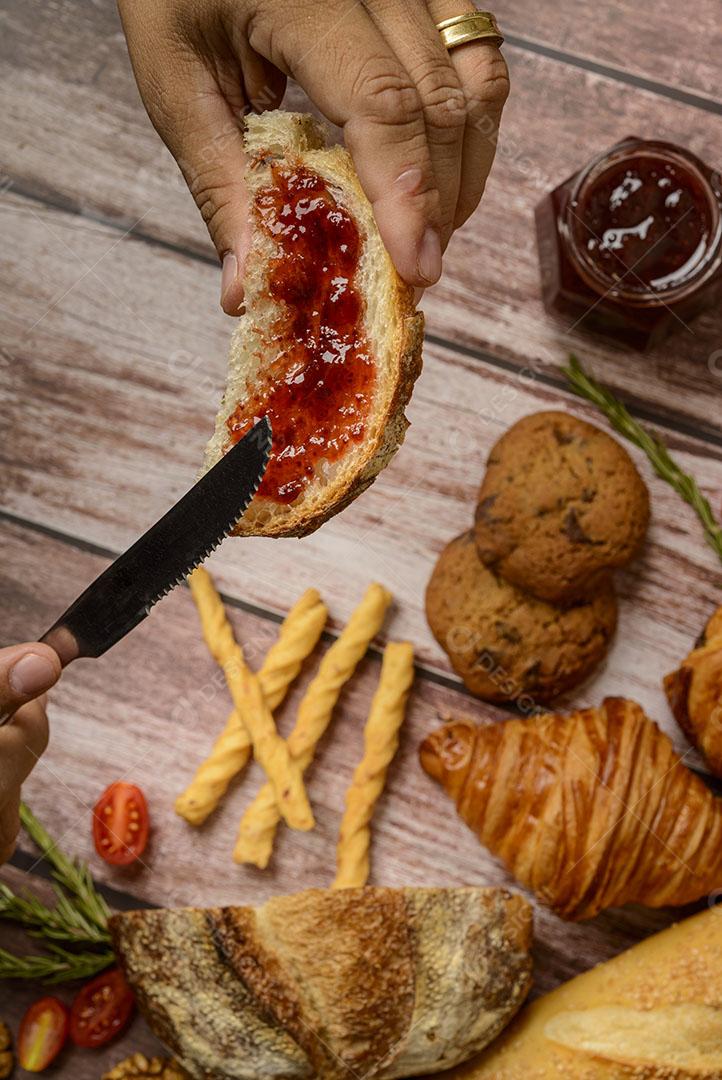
{"x": 409, "y": 181}
{"x": 228, "y": 273}
{"x": 429, "y": 261}
{"x": 31, "y": 675}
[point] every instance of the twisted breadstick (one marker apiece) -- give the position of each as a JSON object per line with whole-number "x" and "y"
{"x": 269, "y": 748}
{"x": 381, "y": 740}
{"x": 297, "y": 638}
{"x": 258, "y": 825}
{"x": 229, "y": 755}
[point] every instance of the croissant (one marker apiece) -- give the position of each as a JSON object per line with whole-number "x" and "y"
{"x": 589, "y": 810}
{"x": 695, "y": 694}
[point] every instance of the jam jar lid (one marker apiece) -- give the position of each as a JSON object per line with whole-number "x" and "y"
{"x": 643, "y": 223}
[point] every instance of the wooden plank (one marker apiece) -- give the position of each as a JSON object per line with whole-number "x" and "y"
{"x": 644, "y": 42}
{"x": 67, "y": 77}
{"x": 66, "y": 72}
{"x": 17, "y": 996}
{"x": 149, "y": 708}
{"x": 76, "y": 130}
{"x": 107, "y": 410}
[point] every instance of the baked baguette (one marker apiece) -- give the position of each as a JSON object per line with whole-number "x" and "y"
{"x": 589, "y": 810}
{"x": 332, "y": 983}
{"x": 694, "y": 692}
{"x": 329, "y": 346}
{"x": 652, "y": 1013}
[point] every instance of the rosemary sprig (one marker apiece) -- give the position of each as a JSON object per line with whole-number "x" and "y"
{"x": 661, "y": 460}
{"x": 73, "y": 876}
{"x": 79, "y": 917}
{"x": 60, "y": 965}
{"x": 64, "y": 922}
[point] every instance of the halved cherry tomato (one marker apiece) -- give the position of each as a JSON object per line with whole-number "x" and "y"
{"x": 101, "y": 1010}
{"x": 43, "y": 1031}
{"x": 120, "y": 824}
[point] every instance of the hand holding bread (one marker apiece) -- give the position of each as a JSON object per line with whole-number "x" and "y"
{"x": 329, "y": 346}
{"x": 420, "y": 122}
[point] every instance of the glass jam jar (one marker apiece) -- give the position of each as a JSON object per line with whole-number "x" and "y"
{"x": 632, "y": 245}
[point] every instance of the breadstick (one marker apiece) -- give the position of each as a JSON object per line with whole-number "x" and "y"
{"x": 297, "y": 638}
{"x": 269, "y": 748}
{"x": 381, "y": 740}
{"x": 229, "y": 755}
{"x": 258, "y": 825}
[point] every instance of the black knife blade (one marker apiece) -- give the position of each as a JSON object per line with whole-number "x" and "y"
{"x": 163, "y": 557}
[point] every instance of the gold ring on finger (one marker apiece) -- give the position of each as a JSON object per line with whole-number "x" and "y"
{"x": 473, "y": 26}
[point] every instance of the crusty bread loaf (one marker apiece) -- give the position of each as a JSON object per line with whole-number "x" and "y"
{"x": 366, "y": 982}
{"x": 652, "y": 1013}
{"x": 393, "y": 330}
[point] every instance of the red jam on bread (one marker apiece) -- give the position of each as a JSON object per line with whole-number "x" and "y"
{"x": 317, "y": 393}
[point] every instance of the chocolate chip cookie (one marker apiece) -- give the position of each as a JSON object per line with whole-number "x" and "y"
{"x": 507, "y": 645}
{"x": 561, "y": 504}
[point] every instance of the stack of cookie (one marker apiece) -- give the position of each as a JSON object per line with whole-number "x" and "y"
{"x": 524, "y": 603}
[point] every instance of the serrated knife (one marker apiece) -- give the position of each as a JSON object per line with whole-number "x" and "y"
{"x": 163, "y": 557}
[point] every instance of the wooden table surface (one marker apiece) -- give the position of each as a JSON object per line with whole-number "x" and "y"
{"x": 112, "y": 361}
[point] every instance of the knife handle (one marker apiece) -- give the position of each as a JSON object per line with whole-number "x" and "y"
{"x": 60, "y": 638}
{"x": 62, "y": 641}
{"x": 84, "y": 630}
{"x": 68, "y": 639}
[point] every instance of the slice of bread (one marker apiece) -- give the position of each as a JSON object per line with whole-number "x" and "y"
{"x": 268, "y": 354}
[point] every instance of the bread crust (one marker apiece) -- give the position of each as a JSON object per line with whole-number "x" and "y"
{"x": 655, "y": 1013}
{"x": 381, "y": 982}
{"x": 298, "y": 138}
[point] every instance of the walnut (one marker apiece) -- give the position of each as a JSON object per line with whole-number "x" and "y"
{"x": 138, "y": 1065}
{"x": 7, "y": 1060}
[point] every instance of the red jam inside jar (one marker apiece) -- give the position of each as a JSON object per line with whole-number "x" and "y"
{"x": 632, "y": 245}
{"x": 318, "y": 390}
